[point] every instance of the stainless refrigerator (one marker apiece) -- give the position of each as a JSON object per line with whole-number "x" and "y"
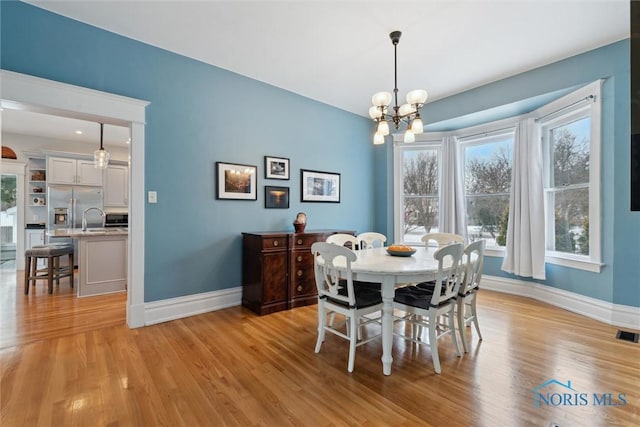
{"x": 66, "y": 203}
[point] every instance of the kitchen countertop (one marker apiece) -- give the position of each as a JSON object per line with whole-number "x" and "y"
{"x": 77, "y": 233}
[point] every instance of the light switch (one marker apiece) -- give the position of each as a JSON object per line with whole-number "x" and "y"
{"x": 152, "y": 197}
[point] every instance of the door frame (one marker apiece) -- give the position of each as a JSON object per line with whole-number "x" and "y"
{"x": 24, "y": 92}
{"x": 12, "y": 167}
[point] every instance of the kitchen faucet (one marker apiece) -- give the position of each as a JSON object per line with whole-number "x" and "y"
{"x": 84, "y": 217}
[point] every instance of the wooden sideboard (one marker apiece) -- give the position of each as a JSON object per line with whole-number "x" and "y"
{"x": 277, "y": 269}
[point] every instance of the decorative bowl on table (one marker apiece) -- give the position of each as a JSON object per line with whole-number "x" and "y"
{"x": 400, "y": 250}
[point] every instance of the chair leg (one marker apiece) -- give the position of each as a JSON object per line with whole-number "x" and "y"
{"x": 452, "y": 331}
{"x": 474, "y": 313}
{"x": 71, "y": 267}
{"x": 27, "y": 274}
{"x": 353, "y": 338}
{"x": 461, "y": 324}
{"x": 433, "y": 343}
{"x": 322, "y": 318}
{"x": 50, "y": 274}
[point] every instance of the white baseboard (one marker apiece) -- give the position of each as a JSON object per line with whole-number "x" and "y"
{"x": 612, "y": 314}
{"x": 191, "y": 305}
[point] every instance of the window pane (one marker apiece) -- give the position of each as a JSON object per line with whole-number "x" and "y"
{"x": 488, "y": 167}
{"x": 420, "y": 187}
{"x": 487, "y": 173}
{"x": 487, "y": 219}
{"x": 420, "y": 217}
{"x": 570, "y": 152}
{"x": 571, "y": 220}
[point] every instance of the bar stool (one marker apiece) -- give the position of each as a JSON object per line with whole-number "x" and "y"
{"x": 53, "y": 271}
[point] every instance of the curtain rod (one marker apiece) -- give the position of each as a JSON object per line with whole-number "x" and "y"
{"x": 491, "y": 132}
{"x": 586, "y": 98}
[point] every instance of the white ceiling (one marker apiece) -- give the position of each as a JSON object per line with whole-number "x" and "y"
{"x": 339, "y": 53}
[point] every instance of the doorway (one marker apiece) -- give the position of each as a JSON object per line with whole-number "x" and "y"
{"x": 8, "y": 221}
{"x": 23, "y": 92}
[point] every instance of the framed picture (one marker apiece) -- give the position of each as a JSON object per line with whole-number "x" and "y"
{"x": 317, "y": 186}
{"x": 276, "y": 197}
{"x": 236, "y": 181}
{"x": 276, "y": 167}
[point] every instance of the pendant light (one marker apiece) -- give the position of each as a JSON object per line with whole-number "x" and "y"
{"x": 408, "y": 113}
{"x": 101, "y": 156}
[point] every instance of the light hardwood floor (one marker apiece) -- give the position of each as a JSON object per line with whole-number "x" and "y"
{"x": 73, "y": 362}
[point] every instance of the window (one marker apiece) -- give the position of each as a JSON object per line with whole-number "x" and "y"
{"x": 487, "y": 184}
{"x": 571, "y": 149}
{"x": 569, "y": 129}
{"x": 418, "y": 190}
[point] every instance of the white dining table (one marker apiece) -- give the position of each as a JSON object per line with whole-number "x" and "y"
{"x": 376, "y": 265}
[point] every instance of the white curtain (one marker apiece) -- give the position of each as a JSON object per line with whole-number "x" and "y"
{"x": 525, "y": 249}
{"x": 454, "y": 217}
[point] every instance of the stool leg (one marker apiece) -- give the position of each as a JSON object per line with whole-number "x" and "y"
{"x": 56, "y": 266}
{"x": 50, "y": 274}
{"x": 71, "y": 267}
{"x": 27, "y": 273}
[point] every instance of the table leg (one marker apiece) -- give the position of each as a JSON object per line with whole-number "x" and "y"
{"x": 388, "y": 291}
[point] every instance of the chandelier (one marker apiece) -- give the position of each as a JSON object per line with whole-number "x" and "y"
{"x": 101, "y": 156}
{"x": 408, "y": 113}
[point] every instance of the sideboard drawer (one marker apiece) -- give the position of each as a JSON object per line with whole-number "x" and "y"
{"x": 274, "y": 242}
{"x": 304, "y": 240}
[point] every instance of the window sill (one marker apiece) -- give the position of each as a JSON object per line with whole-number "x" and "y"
{"x": 579, "y": 263}
{"x": 574, "y": 262}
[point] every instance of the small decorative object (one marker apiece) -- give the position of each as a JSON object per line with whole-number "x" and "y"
{"x": 37, "y": 189}
{"x": 236, "y": 182}
{"x": 38, "y": 176}
{"x": 276, "y": 167}
{"x": 300, "y": 222}
{"x": 8, "y": 153}
{"x": 276, "y": 197}
{"x": 316, "y": 186}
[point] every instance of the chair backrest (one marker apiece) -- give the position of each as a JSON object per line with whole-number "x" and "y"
{"x": 448, "y": 277}
{"x": 327, "y": 276}
{"x": 371, "y": 239}
{"x": 343, "y": 239}
{"x": 442, "y": 239}
{"x": 473, "y": 257}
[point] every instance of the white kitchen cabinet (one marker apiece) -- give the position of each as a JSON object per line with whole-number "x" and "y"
{"x": 116, "y": 186}
{"x": 70, "y": 171}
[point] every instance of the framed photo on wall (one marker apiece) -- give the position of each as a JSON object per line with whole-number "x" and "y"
{"x": 276, "y": 167}
{"x": 236, "y": 181}
{"x": 317, "y": 186}
{"x": 276, "y": 197}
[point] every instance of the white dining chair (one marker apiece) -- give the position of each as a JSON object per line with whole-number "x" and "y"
{"x": 435, "y": 309}
{"x": 442, "y": 239}
{"x": 343, "y": 239}
{"x": 371, "y": 239}
{"x": 473, "y": 257}
{"x": 338, "y": 296}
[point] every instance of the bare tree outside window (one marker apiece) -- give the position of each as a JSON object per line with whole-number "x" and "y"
{"x": 568, "y": 189}
{"x": 487, "y": 175}
{"x": 420, "y": 179}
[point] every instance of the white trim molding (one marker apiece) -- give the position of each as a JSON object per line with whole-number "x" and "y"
{"x": 25, "y": 92}
{"x": 609, "y": 313}
{"x": 191, "y": 305}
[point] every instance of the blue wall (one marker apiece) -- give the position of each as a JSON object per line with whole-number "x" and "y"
{"x": 200, "y": 114}
{"x": 619, "y": 280}
{"x": 196, "y": 118}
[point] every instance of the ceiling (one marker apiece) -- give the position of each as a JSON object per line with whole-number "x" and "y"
{"x": 339, "y": 53}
